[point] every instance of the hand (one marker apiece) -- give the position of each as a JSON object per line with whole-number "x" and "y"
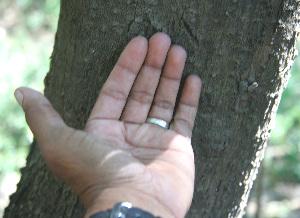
{"x": 119, "y": 157}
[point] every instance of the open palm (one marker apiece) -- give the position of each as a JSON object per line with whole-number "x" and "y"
{"x": 118, "y": 156}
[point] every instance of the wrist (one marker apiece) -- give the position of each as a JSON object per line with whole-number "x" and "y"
{"x": 108, "y": 198}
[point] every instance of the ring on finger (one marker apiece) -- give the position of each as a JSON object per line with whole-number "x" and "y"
{"x": 162, "y": 123}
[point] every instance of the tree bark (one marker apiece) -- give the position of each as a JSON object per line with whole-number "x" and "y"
{"x": 242, "y": 50}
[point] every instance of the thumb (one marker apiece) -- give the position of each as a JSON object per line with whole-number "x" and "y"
{"x": 41, "y": 117}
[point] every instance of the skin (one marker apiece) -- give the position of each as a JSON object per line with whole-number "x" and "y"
{"x": 119, "y": 157}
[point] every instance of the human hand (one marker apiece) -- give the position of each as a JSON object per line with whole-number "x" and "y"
{"x": 119, "y": 157}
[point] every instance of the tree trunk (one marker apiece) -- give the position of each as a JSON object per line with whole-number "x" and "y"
{"x": 242, "y": 50}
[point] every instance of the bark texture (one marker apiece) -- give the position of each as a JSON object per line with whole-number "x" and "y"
{"x": 242, "y": 50}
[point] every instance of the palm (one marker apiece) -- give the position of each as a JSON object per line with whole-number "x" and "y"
{"x": 151, "y": 160}
{"x": 117, "y": 149}
{"x": 145, "y": 144}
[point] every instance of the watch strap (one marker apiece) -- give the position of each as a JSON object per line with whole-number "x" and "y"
{"x": 123, "y": 210}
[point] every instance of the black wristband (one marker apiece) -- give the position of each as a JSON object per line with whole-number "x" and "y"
{"x": 123, "y": 210}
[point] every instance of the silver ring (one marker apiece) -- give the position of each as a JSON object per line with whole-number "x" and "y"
{"x": 158, "y": 122}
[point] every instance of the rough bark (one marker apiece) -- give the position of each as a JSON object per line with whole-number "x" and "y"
{"x": 242, "y": 50}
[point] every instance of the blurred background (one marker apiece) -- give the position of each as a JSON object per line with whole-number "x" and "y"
{"x": 27, "y": 29}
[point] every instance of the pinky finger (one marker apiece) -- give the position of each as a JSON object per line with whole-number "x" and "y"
{"x": 185, "y": 114}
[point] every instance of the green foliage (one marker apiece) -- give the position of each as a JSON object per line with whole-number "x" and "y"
{"x": 26, "y": 40}
{"x": 43, "y": 14}
{"x": 285, "y": 165}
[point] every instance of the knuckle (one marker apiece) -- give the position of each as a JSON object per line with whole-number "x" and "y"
{"x": 164, "y": 104}
{"x": 115, "y": 94}
{"x": 142, "y": 97}
{"x": 184, "y": 122}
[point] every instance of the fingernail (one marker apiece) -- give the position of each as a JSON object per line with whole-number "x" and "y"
{"x": 19, "y": 97}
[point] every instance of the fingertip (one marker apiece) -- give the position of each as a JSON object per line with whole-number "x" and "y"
{"x": 177, "y": 55}
{"x": 159, "y": 45}
{"x": 134, "y": 54}
{"x": 19, "y": 96}
{"x": 141, "y": 42}
{"x": 162, "y": 35}
{"x": 196, "y": 78}
{"x": 179, "y": 49}
{"x": 27, "y": 96}
{"x": 161, "y": 38}
{"x": 195, "y": 81}
{"x": 140, "y": 37}
{"x": 39, "y": 113}
{"x": 191, "y": 90}
{"x": 23, "y": 92}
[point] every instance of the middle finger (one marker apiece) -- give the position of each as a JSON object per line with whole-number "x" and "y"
{"x": 142, "y": 92}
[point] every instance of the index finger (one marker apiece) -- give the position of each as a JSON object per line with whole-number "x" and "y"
{"x": 113, "y": 96}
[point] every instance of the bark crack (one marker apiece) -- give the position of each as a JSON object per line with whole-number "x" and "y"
{"x": 134, "y": 16}
{"x": 190, "y": 32}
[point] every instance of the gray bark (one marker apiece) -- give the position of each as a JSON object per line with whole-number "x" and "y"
{"x": 242, "y": 50}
